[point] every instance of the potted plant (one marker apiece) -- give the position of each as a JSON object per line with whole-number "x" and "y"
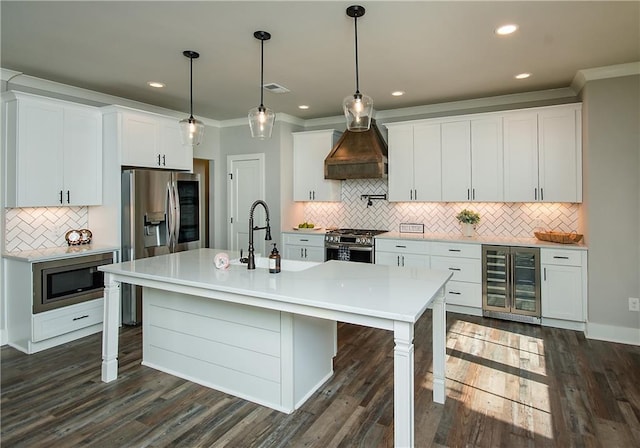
{"x": 468, "y": 220}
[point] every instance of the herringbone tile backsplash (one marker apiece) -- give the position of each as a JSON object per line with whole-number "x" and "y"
{"x": 41, "y": 228}
{"x": 496, "y": 219}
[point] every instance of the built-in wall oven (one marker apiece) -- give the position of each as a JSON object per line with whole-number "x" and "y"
{"x": 66, "y": 281}
{"x": 350, "y": 245}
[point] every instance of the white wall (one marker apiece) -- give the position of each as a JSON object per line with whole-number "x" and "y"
{"x": 611, "y": 114}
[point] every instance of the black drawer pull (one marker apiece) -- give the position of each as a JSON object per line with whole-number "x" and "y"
{"x": 455, "y": 250}
{"x": 454, "y": 269}
{"x": 455, "y": 292}
{"x": 81, "y": 317}
{"x": 562, "y": 258}
{"x": 403, "y": 247}
{"x": 302, "y": 239}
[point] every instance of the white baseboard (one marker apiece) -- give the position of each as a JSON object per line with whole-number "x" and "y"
{"x": 610, "y": 333}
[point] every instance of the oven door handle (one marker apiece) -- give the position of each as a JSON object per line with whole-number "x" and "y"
{"x": 351, "y": 248}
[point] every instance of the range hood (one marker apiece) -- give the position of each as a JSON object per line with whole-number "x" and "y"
{"x": 358, "y": 155}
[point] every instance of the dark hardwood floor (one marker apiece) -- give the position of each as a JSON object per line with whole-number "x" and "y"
{"x": 508, "y": 384}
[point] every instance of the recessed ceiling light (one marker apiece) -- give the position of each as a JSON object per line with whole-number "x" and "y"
{"x": 398, "y": 93}
{"x": 506, "y": 29}
{"x": 523, "y": 76}
{"x": 156, "y": 84}
{"x": 303, "y": 107}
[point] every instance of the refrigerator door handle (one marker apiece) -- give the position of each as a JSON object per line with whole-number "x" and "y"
{"x": 176, "y": 216}
{"x": 170, "y": 216}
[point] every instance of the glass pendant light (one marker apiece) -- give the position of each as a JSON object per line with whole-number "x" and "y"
{"x": 261, "y": 119}
{"x": 358, "y": 108}
{"x": 191, "y": 129}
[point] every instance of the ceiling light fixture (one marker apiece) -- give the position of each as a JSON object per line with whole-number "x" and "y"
{"x": 397, "y": 93}
{"x": 303, "y": 107}
{"x": 261, "y": 119}
{"x": 192, "y": 130}
{"x": 522, "y": 76}
{"x": 155, "y": 84}
{"x": 505, "y": 30}
{"x": 358, "y": 108}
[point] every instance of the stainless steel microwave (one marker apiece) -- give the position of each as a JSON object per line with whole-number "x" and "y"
{"x": 63, "y": 282}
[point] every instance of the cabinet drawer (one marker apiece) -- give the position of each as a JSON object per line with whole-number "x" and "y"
{"x": 465, "y": 294}
{"x": 65, "y": 320}
{"x": 463, "y": 269}
{"x": 304, "y": 239}
{"x": 456, "y": 250}
{"x": 562, "y": 257}
{"x": 403, "y": 246}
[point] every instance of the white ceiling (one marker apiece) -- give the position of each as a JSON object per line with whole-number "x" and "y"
{"x": 434, "y": 51}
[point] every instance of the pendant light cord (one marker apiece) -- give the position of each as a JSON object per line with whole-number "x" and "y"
{"x": 191, "y": 86}
{"x": 355, "y": 23}
{"x": 261, "y": 74}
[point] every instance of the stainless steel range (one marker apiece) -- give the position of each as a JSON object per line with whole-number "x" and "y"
{"x": 350, "y": 244}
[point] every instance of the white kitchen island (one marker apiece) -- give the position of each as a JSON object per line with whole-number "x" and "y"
{"x": 183, "y": 291}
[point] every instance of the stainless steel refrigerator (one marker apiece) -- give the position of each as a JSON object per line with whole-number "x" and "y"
{"x": 511, "y": 283}
{"x": 161, "y": 214}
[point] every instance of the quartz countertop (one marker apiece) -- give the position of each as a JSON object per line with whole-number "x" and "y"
{"x": 479, "y": 239}
{"x": 387, "y": 292}
{"x": 54, "y": 253}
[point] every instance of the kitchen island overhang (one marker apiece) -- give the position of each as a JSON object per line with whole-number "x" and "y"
{"x": 384, "y": 297}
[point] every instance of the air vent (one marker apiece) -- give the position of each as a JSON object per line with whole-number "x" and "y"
{"x": 275, "y": 88}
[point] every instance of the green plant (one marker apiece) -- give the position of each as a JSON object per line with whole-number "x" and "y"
{"x": 468, "y": 217}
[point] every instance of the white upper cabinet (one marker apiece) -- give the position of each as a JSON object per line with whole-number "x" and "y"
{"x": 543, "y": 155}
{"x": 456, "y": 161}
{"x": 53, "y": 152}
{"x": 487, "y": 159}
{"x": 414, "y": 162}
{"x": 309, "y": 151}
{"x": 147, "y": 140}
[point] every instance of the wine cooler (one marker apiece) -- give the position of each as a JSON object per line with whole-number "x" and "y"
{"x": 511, "y": 283}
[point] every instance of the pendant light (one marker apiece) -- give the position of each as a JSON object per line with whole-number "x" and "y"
{"x": 261, "y": 119}
{"x": 191, "y": 129}
{"x": 358, "y": 108}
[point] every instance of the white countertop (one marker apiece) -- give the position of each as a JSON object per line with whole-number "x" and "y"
{"x": 387, "y": 292}
{"x": 54, "y": 253}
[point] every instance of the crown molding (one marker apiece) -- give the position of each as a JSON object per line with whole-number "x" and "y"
{"x": 609, "y": 71}
{"x": 32, "y": 84}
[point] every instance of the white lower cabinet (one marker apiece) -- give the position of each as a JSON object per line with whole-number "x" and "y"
{"x": 563, "y": 289}
{"x": 303, "y": 246}
{"x": 408, "y": 253}
{"x": 465, "y": 287}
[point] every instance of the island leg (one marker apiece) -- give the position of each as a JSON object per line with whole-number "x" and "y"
{"x": 439, "y": 347}
{"x": 110, "y": 325}
{"x": 403, "y": 384}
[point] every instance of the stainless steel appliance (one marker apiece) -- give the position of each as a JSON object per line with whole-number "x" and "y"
{"x": 511, "y": 283}
{"x": 350, "y": 244}
{"x": 161, "y": 214}
{"x": 64, "y": 282}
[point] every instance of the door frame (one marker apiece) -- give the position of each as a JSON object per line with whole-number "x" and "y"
{"x": 231, "y": 188}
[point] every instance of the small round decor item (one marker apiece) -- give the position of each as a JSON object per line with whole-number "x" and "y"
{"x": 221, "y": 260}
{"x": 85, "y": 236}
{"x": 73, "y": 237}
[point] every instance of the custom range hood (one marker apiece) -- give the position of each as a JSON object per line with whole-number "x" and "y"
{"x": 358, "y": 155}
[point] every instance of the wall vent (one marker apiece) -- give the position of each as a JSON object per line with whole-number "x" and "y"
{"x": 275, "y": 88}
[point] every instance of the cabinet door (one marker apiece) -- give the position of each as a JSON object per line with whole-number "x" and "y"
{"x": 309, "y": 151}
{"x": 520, "y": 157}
{"x": 172, "y": 153}
{"x": 487, "y": 160}
{"x": 304, "y": 253}
{"x": 401, "y": 166}
{"x": 314, "y": 254}
{"x": 456, "y": 161}
{"x": 415, "y": 261}
{"x": 388, "y": 258}
{"x": 39, "y": 157}
{"x": 140, "y": 141}
{"x": 82, "y": 157}
{"x": 560, "y": 153}
{"x": 427, "y": 159}
{"x": 562, "y": 292}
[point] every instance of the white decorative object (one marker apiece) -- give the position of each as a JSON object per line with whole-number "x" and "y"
{"x": 221, "y": 260}
{"x": 468, "y": 229}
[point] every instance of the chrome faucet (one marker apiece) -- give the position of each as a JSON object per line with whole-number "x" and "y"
{"x": 252, "y": 259}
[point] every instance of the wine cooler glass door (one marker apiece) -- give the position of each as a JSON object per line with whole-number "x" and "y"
{"x": 495, "y": 273}
{"x": 525, "y": 275}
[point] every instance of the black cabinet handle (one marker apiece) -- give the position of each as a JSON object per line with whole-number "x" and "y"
{"x": 468, "y": 194}
{"x": 542, "y": 194}
{"x": 81, "y": 317}
{"x": 415, "y": 194}
{"x": 561, "y": 258}
{"x": 411, "y": 194}
{"x": 455, "y": 292}
{"x": 535, "y": 194}
{"x": 473, "y": 194}
{"x": 402, "y": 247}
{"x": 454, "y": 250}
{"x": 68, "y": 197}
{"x": 158, "y": 159}
{"x": 61, "y": 196}
{"x": 454, "y": 269}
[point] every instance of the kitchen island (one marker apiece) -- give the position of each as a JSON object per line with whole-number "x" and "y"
{"x": 301, "y": 304}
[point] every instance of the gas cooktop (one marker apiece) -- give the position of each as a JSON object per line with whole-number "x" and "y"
{"x": 357, "y": 232}
{"x": 352, "y": 237}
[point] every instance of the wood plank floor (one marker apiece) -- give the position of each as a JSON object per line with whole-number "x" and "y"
{"x": 508, "y": 384}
